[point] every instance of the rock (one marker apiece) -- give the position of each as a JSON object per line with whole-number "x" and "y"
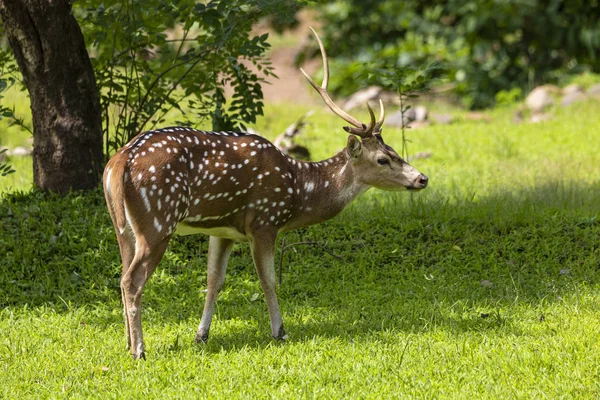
{"x": 565, "y": 271}
{"x": 486, "y": 283}
{"x": 541, "y": 97}
{"x": 418, "y": 124}
{"x": 594, "y": 90}
{"x": 389, "y": 98}
{"x": 572, "y": 97}
{"x": 573, "y": 88}
{"x": 410, "y": 115}
{"x": 539, "y": 117}
{"x": 361, "y": 97}
{"x": 421, "y": 113}
{"x": 477, "y": 116}
{"x": 395, "y": 119}
{"x": 518, "y": 117}
{"x": 415, "y": 117}
{"x": 442, "y": 119}
{"x": 20, "y": 152}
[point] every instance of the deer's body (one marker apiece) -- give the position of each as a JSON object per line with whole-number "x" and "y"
{"x": 191, "y": 186}
{"x": 232, "y": 186}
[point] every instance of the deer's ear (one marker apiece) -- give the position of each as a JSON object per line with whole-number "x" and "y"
{"x": 354, "y": 146}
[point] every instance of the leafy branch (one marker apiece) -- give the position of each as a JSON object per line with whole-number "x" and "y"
{"x": 407, "y": 83}
{"x": 5, "y": 169}
{"x": 163, "y": 58}
{"x": 7, "y": 71}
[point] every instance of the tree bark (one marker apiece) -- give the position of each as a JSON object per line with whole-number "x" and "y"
{"x": 67, "y": 131}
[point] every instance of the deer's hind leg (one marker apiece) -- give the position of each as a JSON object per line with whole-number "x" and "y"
{"x": 145, "y": 260}
{"x": 126, "y": 240}
{"x": 127, "y": 248}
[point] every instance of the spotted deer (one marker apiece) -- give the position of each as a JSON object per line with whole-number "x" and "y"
{"x": 234, "y": 186}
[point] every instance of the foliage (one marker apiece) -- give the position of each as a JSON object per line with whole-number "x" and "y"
{"x": 7, "y": 70}
{"x": 487, "y": 46}
{"x": 405, "y": 82}
{"x": 485, "y": 285}
{"x": 586, "y": 79}
{"x": 5, "y": 169}
{"x": 508, "y": 97}
{"x": 155, "y": 57}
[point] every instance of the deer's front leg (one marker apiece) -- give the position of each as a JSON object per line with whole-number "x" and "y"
{"x": 219, "y": 250}
{"x": 263, "y": 253}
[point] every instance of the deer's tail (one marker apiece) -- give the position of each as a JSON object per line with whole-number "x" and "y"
{"x": 114, "y": 191}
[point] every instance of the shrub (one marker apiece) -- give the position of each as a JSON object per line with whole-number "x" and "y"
{"x": 486, "y": 46}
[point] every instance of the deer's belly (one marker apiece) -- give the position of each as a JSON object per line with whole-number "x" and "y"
{"x": 184, "y": 229}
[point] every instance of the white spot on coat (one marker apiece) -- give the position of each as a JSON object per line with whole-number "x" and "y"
{"x": 145, "y": 199}
{"x": 157, "y": 225}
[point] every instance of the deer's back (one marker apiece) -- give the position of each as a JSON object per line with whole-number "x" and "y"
{"x": 202, "y": 181}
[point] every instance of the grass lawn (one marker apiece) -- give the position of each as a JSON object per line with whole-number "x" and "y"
{"x": 485, "y": 285}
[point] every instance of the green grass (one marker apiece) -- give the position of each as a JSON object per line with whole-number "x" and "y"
{"x": 485, "y": 285}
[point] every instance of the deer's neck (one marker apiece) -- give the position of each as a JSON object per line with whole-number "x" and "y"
{"x": 323, "y": 189}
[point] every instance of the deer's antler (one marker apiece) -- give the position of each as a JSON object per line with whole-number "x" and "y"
{"x": 357, "y": 128}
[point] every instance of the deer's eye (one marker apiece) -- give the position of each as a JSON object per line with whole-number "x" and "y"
{"x": 383, "y": 161}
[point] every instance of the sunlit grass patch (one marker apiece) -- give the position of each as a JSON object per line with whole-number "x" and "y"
{"x": 484, "y": 285}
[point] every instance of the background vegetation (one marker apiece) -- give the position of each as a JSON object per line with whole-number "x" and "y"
{"x": 485, "y": 46}
{"x": 155, "y": 58}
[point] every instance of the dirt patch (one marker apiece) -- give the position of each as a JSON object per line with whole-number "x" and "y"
{"x": 291, "y": 86}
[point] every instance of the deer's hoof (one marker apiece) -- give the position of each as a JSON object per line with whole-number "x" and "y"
{"x": 281, "y": 335}
{"x": 139, "y": 353}
{"x": 201, "y": 336}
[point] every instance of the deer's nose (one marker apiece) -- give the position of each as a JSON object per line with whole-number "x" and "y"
{"x": 423, "y": 180}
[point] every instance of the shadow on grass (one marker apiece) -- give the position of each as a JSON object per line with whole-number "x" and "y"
{"x": 305, "y": 332}
{"x": 409, "y": 265}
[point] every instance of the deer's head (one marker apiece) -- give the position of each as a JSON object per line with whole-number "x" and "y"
{"x": 375, "y": 163}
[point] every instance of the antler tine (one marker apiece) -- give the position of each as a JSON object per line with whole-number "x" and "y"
{"x": 379, "y": 123}
{"x": 325, "y": 60}
{"x": 322, "y": 90}
{"x": 372, "y": 124}
{"x": 365, "y": 131}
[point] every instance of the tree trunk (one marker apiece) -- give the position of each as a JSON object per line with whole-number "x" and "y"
{"x": 51, "y": 54}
